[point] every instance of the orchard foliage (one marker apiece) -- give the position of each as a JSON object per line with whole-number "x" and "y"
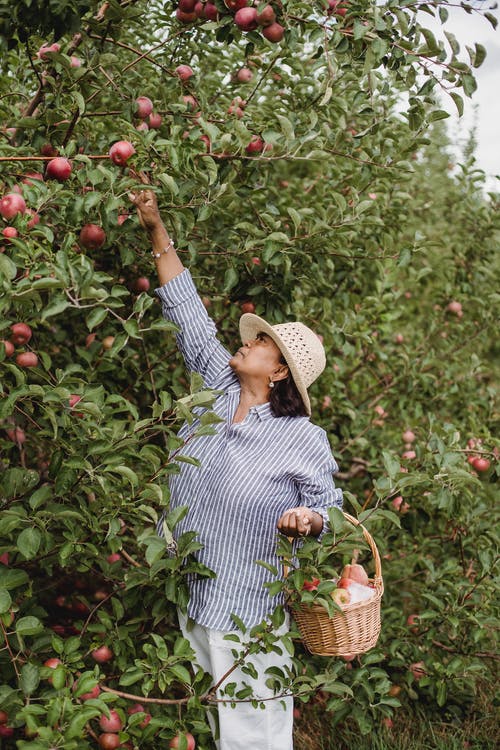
{"x": 307, "y": 178}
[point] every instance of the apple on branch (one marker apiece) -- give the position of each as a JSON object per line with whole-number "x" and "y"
{"x": 11, "y": 205}
{"x": 58, "y": 168}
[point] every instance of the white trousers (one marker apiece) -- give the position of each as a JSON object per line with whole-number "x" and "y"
{"x": 243, "y": 727}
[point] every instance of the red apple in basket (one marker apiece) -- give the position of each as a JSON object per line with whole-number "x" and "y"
{"x": 355, "y": 572}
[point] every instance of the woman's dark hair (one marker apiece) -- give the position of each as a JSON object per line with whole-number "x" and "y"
{"x": 285, "y": 399}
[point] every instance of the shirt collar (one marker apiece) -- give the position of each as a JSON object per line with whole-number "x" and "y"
{"x": 263, "y": 411}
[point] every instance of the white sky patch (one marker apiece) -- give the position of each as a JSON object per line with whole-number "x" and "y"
{"x": 483, "y": 108}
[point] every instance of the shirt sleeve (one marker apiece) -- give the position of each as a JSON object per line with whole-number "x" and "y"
{"x": 197, "y": 341}
{"x": 316, "y": 485}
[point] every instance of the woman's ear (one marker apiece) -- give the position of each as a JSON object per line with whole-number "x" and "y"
{"x": 281, "y": 373}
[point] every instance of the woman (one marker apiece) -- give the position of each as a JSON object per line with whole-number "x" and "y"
{"x": 266, "y": 468}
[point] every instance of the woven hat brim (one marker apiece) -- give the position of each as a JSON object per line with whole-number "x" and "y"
{"x": 250, "y": 326}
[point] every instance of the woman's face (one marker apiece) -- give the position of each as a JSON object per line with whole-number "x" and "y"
{"x": 257, "y": 358}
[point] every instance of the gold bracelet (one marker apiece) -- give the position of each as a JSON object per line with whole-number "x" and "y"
{"x": 163, "y": 251}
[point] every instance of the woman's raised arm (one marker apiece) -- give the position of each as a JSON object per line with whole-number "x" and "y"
{"x": 168, "y": 264}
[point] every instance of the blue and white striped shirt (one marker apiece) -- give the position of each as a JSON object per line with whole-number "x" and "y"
{"x": 250, "y": 473}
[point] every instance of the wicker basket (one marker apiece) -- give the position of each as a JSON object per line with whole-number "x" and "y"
{"x": 353, "y": 630}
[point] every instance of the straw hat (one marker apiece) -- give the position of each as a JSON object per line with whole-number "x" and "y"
{"x": 301, "y": 348}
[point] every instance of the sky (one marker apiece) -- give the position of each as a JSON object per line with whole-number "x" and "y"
{"x": 484, "y": 105}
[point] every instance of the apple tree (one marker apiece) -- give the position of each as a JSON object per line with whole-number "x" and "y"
{"x": 299, "y": 159}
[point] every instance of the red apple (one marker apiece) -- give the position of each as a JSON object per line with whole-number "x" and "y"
{"x": 184, "y": 72}
{"x": 120, "y": 152}
{"x": 141, "y": 284}
{"x": 355, "y": 572}
{"x": 6, "y": 731}
{"x": 187, "y": 6}
{"x": 400, "y": 506}
{"x": 247, "y": 307}
{"x": 113, "y": 558}
{"x": 30, "y": 176}
{"x": 311, "y": 585}
{"x": 211, "y": 12}
{"x": 108, "y": 741}
{"x": 480, "y": 464}
{"x": 94, "y": 693}
{"x": 455, "y": 307}
{"x": 35, "y": 218}
{"x": 137, "y": 708}
{"x": 244, "y": 75}
{"x": 4, "y": 717}
{"x": 58, "y": 169}
{"x": 46, "y": 49}
{"x": 408, "y": 436}
{"x": 17, "y": 435}
{"x": 108, "y": 342}
{"x": 190, "y": 101}
{"x": 246, "y": 19}
{"x": 9, "y": 233}
{"x": 52, "y": 663}
{"x": 387, "y": 722}
{"x": 4, "y": 558}
{"x": 412, "y": 621}
{"x": 92, "y": 236}
{"x": 11, "y": 205}
{"x": 113, "y": 723}
{"x": 274, "y": 32}
{"x": 21, "y": 333}
{"x": 418, "y": 670}
{"x": 184, "y": 17}
{"x": 256, "y": 145}
{"x": 337, "y": 7}
{"x": 74, "y": 399}
{"x": 175, "y": 741}
{"x": 267, "y": 16}
{"x": 256, "y": 260}
{"x": 102, "y": 654}
{"x": 75, "y": 62}
{"x": 154, "y": 120}
{"x": 144, "y": 107}
{"x": 235, "y": 5}
{"x": 8, "y": 346}
{"x": 27, "y": 359}
{"x": 343, "y": 583}
{"x": 410, "y": 455}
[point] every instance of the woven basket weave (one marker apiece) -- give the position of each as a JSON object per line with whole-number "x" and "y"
{"x": 353, "y": 630}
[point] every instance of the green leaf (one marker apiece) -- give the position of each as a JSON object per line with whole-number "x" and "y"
{"x": 55, "y": 308}
{"x": 469, "y": 84}
{"x": 29, "y": 679}
{"x": 12, "y": 578}
{"x": 28, "y": 542}
{"x": 230, "y": 279}
{"x": 95, "y": 317}
{"x": 7, "y": 267}
{"x": 28, "y": 625}
{"x": 181, "y": 673}
{"x": 5, "y": 601}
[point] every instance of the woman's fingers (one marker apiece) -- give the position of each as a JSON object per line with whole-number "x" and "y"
{"x": 296, "y": 522}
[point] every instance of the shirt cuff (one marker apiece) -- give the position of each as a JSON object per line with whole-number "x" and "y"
{"x": 178, "y": 290}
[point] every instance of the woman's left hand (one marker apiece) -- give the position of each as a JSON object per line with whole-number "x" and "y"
{"x": 300, "y": 521}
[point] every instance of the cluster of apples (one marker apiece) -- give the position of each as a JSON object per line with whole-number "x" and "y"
{"x": 21, "y": 333}
{"x": 353, "y": 586}
{"x": 246, "y": 17}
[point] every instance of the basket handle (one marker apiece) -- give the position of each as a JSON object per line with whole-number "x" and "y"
{"x": 369, "y": 540}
